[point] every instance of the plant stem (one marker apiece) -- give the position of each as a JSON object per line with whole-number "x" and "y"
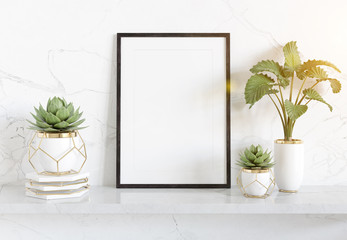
{"x": 278, "y": 110}
{"x": 303, "y": 97}
{"x": 290, "y": 129}
{"x": 283, "y": 110}
{"x": 302, "y": 85}
{"x": 308, "y": 101}
{"x": 279, "y": 101}
{"x": 283, "y": 120}
{"x": 291, "y": 87}
{"x": 305, "y": 103}
{"x": 305, "y": 94}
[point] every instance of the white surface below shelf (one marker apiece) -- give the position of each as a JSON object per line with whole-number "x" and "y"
{"x": 110, "y": 200}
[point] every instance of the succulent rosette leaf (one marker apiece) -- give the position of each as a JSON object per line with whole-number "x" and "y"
{"x": 59, "y": 116}
{"x": 255, "y": 158}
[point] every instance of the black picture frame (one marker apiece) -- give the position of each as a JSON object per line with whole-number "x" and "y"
{"x": 121, "y": 36}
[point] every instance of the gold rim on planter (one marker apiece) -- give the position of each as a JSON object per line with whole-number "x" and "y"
{"x": 293, "y": 141}
{"x": 255, "y": 170}
{"x": 57, "y": 134}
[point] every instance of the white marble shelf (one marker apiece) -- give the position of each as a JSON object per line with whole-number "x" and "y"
{"x": 108, "y": 200}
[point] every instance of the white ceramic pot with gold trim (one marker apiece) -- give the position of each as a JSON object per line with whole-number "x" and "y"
{"x": 58, "y": 153}
{"x": 255, "y": 182}
{"x": 289, "y": 168}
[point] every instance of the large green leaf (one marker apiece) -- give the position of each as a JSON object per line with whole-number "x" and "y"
{"x": 294, "y": 111}
{"x": 272, "y": 67}
{"x": 316, "y": 72}
{"x": 271, "y": 91}
{"x": 314, "y": 95}
{"x": 334, "y": 83}
{"x": 257, "y": 86}
{"x": 287, "y": 72}
{"x": 302, "y": 70}
{"x": 291, "y": 54}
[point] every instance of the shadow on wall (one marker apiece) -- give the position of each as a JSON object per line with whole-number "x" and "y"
{"x": 110, "y": 150}
{"x": 241, "y": 113}
{"x": 258, "y": 125}
{"x": 239, "y": 78}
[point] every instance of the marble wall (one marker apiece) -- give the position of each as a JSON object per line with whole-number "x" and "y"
{"x": 67, "y": 48}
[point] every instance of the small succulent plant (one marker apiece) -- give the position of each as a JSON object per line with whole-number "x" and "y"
{"x": 255, "y": 158}
{"x": 59, "y": 116}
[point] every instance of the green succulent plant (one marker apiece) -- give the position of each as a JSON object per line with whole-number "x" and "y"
{"x": 59, "y": 116}
{"x": 270, "y": 78}
{"x": 255, "y": 158}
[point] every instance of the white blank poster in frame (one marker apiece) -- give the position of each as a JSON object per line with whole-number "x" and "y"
{"x": 173, "y": 110}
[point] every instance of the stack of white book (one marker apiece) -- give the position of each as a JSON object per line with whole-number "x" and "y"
{"x": 56, "y": 187}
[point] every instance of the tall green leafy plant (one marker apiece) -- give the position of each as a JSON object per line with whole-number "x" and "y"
{"x": 270, "y": 78}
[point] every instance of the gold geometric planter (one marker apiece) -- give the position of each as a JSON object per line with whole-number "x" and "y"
{"x": 60, "y": 148}
{"x": 255, "y": 186}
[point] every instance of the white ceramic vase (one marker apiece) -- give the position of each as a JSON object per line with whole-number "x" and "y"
{"x": 255, "y": 182}
{"x": 59, "y": 154}
{"x": 289, "y": 164}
